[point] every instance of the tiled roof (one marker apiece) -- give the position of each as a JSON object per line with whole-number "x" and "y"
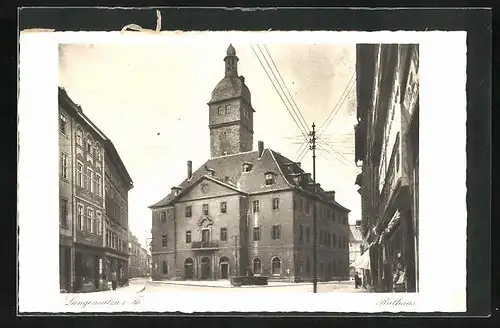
{"x": 231, "y": 87}
{"x": 229, "y": 170}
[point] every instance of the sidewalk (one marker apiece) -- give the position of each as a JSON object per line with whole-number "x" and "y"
{"x": 227, "y": 284}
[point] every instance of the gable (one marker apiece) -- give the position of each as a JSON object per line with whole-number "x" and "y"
{"x": 206, "y": 188}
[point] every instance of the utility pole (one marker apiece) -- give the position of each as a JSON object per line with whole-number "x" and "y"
{"x": 312, "y": 141}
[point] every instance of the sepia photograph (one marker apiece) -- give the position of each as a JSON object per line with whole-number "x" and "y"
{"x": 189, "y": 166}
{"x": 185, "y": 166}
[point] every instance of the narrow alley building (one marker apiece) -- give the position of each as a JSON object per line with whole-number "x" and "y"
{"x": 386, "y": 146}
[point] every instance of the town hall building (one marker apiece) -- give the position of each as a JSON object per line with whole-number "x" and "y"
{"x": 244, "y": 208}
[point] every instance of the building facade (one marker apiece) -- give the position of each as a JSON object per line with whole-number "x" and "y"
{"x": 387, "y": 146}
{"x": 356, "y": 244}
{"x": 244, "y": 209}
{"x": 139, "y": 262}
{"x": 86, "y": 155}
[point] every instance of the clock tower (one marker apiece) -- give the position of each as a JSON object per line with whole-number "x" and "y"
{"x": 230, "y": 112}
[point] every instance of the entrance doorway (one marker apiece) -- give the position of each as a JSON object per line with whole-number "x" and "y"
{"x": 205, "y": 268}
{"x": 224, "y": 268}
{"x": 188, "y": 269}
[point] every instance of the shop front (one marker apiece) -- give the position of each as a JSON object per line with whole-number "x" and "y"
{"x": 119, "y": 264}
{"x": 88, "y": 268}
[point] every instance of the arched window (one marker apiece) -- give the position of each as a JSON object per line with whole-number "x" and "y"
{"x": 276, "y": 265}
{"x": 89, "y": 144}
{"x": 79, "y": 136}
{"x": 257, "y": 266}
{"x": 164, "y": 267}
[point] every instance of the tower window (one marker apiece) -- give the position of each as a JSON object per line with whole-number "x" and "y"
{"x": 220, "y": 110}
{"x": 228, "y": 109}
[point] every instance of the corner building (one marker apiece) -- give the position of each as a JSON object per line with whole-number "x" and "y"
{"x": 93, "y": 226}
{"x": 244, "y": 209}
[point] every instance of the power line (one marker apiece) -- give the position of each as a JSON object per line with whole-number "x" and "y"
{"x": 304, "y": 133}
{"x": 284, "y": 84}
{"x": 344, "y": 160}
{"x": 339, "y": 104}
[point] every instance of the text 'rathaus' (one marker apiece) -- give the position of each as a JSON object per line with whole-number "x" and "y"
{"x": 246, "y": 210}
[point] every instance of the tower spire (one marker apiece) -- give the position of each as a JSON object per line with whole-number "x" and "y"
{"x": 231, "y": 67}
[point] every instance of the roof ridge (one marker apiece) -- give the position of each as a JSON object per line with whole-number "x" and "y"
{"x": 279, "y": 168}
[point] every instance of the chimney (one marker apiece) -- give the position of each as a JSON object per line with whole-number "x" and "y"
{"x": 190, "y": 169}
{"x": 331, "y": 194}
{"x": 261, "y": 148}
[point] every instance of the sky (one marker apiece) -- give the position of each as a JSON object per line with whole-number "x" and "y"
{"x": 151, "y": 101}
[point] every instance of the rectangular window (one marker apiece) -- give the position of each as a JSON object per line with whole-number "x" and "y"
{"x": 205, "y": 235}
{"x": 79, "y": 137}
{"x": 164, "y": 241}
{"x": 90, "y": 217}
{"x": 255, "y": 206}
{"x": 334, "y": 241}
{"x": 98, "y": 185}
{"x": 64, "y": 212}
{"x": 63, "y": 124}
{"x": 308, "y": 234}
{"x": 276, "y": 232}
{"x": 89, "y": 147}
{"x": 256, "y": 233}
{"x": 89, "y": 179}
{"x": 220, "y": 110}
{"x": 64, "y": 166}
{"x": 79, "y": 216}
{"x": 301, "y": 204}
{"x": 223, "y": 234}
{"x": 188, "y": 211}
{"x": 308, "y": 206}
{"x": 99, "y": 223}
{"x": 301, "y": 233}
{"x": 188, "y": 237}
{"x": 228, "y": 109}
{"x": 223, "y": 207}
{"x": 205, "y": 209}
{"x": 276, "y": 203}
{"x": 163, "y": 217}
{"x": 79, "y": 174}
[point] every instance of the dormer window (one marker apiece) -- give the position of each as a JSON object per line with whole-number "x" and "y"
{"x": 269, "y": 179}
{"x": 247, "y": 167}
{"x": 176, "y": 191}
